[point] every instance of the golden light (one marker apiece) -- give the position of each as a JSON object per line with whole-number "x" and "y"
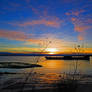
{"x": 51, "y": 53}
{"x": 51, "y": 50}
{"x": 53, "y": 64}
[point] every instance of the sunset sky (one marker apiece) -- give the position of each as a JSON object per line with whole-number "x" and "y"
{"x": 31, "y": 25}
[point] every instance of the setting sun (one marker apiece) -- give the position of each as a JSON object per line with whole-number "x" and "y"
{"x": 51, "y": 50}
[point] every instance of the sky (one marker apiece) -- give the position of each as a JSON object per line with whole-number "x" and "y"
{"x": 35, "y": 25}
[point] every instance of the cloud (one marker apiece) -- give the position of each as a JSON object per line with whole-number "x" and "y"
{"x": 50, "y": 23}
{"x": 81, "y": 23}
{"x": 23, "y": 49}
{"x": 89, "y": 21}
{"x": 50, "y": 42}
{"x": 30, "y": 39}
{"x": 14, "y": 35}
{"x": 75, "y": 13}
{"x": 81, "y": 28}
{"x": 81, "y": 37}
{"x": 35, "y": 10}
{"x": 41, "y": 40}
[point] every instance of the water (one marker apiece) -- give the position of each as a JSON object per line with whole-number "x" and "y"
{"x": 42, "y": 76}
{"x": 49, "y": 66}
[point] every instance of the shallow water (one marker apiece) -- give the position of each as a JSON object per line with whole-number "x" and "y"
{"x": 49, "y": 66}
{"x": 42, "y": 76}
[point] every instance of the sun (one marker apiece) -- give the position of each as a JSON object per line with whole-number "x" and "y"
{"x": 51, "y": 50}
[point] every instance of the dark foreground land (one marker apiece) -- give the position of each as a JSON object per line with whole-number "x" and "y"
{"x": 66, "y": 85}
{"x": 80, "y": 88}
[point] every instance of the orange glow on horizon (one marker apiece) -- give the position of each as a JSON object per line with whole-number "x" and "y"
{"x": 51, "y": 50}
{"x": 27, "y": 50}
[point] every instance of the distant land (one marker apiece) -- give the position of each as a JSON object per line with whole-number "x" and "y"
{"x": 39, "y": 54}
{"x": 19, "y": 54}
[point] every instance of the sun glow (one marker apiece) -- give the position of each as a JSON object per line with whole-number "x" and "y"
{"x": 51, "y": 50}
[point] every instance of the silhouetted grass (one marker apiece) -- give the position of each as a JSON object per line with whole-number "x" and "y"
{"x": 67, "y": 85}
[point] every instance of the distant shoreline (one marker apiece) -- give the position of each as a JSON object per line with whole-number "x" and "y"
{"x": 11, "y": 54}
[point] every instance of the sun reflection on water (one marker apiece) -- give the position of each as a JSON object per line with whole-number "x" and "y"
{"x": 52, "y": 64}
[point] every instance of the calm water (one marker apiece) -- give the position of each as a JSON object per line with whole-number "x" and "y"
{"x": 42, "y": 75}
{"x": 49, "y": 66}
